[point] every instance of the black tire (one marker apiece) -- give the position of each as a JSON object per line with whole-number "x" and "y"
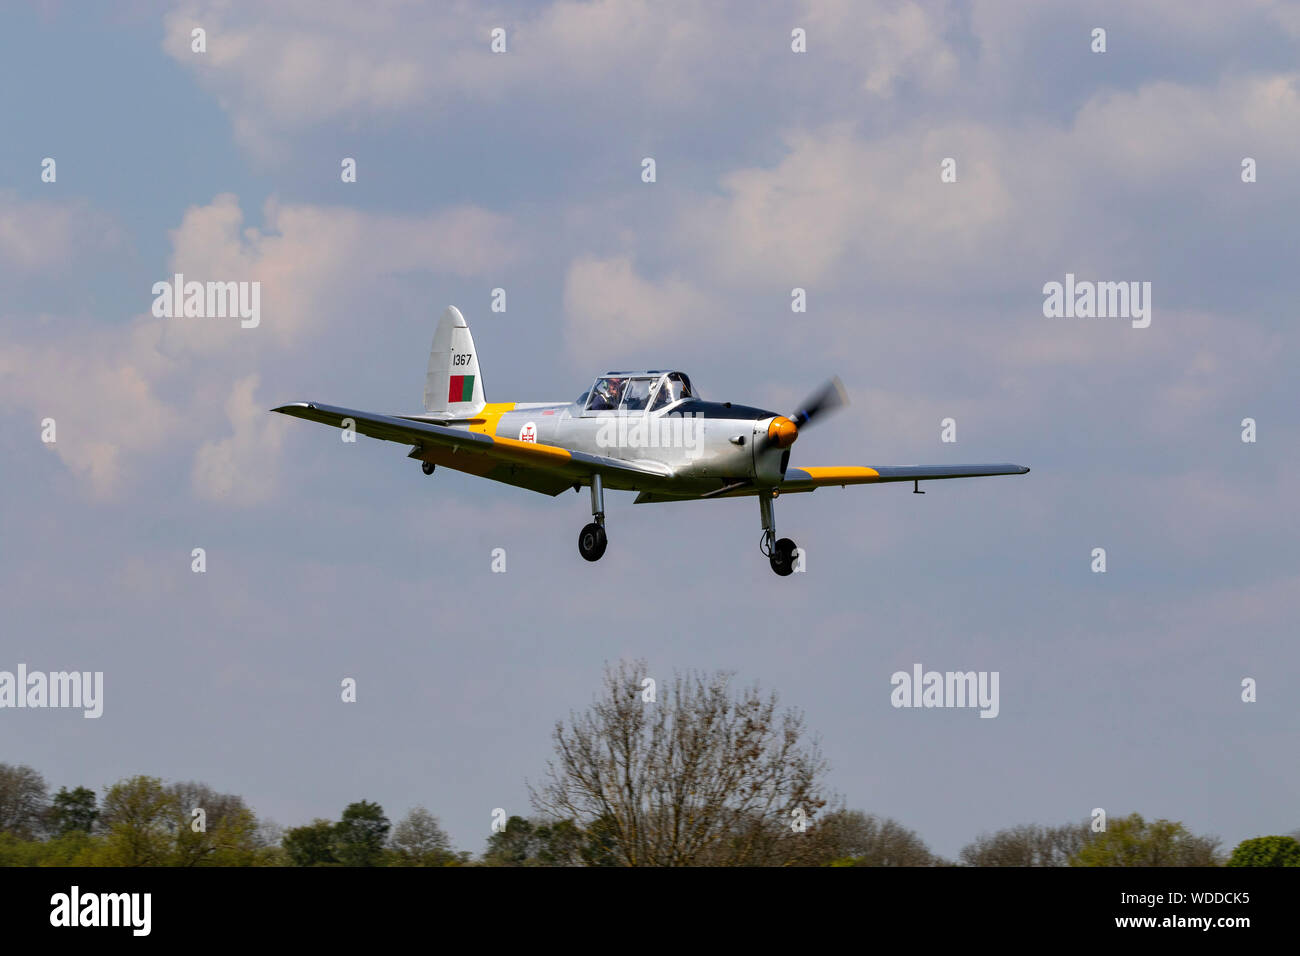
{"x": 782, "y": 559}
{"x": 426, "y": 467}
{"x": 592, "y": 541}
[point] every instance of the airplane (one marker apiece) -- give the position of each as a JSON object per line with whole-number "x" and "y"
{"x": 646, "y": 431}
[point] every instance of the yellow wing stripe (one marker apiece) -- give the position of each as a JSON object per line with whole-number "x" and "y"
{"x": 832, "y": 473}
{"x": 532, "y": 448}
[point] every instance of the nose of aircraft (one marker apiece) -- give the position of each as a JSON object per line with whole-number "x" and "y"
{"x": 782, "y": 431}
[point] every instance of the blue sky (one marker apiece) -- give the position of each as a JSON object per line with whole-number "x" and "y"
{"x": 774, "y": 170}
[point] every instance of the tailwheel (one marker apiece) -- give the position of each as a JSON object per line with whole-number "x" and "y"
{"x": 782, "y": 557}
{"x": 426, "y": 467}
{"x": 592, "y": 541}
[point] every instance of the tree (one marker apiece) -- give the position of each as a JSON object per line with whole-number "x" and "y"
{"x": 73, "y": 810}
{"x": 563, "y": 843}
{"x": 542, "y": 842}
{"x": 854, "y": 838}
{"x": 1266, "y": 851}
{"x": 600, "y": 847}
{"x": 1132, "y": 841}
{"x": 22, "y": 801}
{"x": 703, "y": 776}
{"x": 139, "y": 816}
{"x": 360, "y": 835}
{"x": 418, "y": 840}
{"x": 516, "y": 845}
{"x": 1028, "y": 845}
{"x": 229, "y": 830}
{"x": 311, "y": 845}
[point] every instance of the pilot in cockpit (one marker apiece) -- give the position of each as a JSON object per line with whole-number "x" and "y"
{"x": 607, "y": 394}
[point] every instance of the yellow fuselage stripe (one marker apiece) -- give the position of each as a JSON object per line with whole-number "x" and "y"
{"x": 491, "y": 417}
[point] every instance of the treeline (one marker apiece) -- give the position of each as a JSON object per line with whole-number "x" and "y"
{"x": 141, "y": 821}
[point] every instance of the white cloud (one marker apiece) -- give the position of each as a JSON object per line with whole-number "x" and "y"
{"x": 610, "y": 309}
{"x": 884, "y": 43}
{"x": 837, "y": 201}
{"x": 307, "y": 256}
{"x": 240, "y": 469}
{"x": 40, "y": 236}
{"x": 121, "y": 394}
{"x": 102, "y": 401}
{"x": 289, "y": 66}
{"x": 841, "y": 205}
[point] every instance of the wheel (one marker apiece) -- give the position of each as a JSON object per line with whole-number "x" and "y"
{"x": 782, "y": 559}
{"x": 592, "y": 541}
{"x": 426, "y": 467}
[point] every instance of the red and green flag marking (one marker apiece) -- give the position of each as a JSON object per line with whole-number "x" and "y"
{"x": 462, "y": 389}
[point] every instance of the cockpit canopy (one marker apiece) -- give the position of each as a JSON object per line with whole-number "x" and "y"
{"x": 637, "y": 391}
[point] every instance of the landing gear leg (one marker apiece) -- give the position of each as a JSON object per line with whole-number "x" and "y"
{"x": 591, "y": 539}
{"x": 780, "y": 553}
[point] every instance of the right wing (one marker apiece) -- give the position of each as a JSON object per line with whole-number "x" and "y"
{"x": 812, "y": 477}
{"x": 545, "y": 468}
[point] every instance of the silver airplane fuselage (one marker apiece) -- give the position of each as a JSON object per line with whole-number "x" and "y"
{"x": 705, "y": 444}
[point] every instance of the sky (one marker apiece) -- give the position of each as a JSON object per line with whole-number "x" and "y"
{"x": 774, "y": 170}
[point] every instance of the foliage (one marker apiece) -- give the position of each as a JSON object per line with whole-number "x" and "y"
{"x": 1132, "y": 841}
{"x": 23, "y": 801}
{"x": 1266, "y": 851}
{"x": 311, "y": 845}
{"x": 72, "y": 810}
{"x": 1028, "y": 845}
{"x": 418, "y": 840}
{"x": 360, "y": 835}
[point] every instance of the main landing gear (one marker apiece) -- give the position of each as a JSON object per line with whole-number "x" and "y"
{"x": 592, "y": 539}
{"x": 426, "y": 467}
{"x": 781, "y": 554}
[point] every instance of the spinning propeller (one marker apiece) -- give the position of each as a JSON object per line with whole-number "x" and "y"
{"x": 783, "y": 431}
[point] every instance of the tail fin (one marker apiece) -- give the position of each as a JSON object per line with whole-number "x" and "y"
{"x": 453, "y": 387}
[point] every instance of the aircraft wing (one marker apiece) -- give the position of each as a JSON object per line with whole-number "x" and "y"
{"x": 545, "y": 468}
{"x": 811, "y": 477}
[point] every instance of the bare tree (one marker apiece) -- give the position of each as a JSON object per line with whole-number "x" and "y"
{"x": 23, "y": 800}
{"x": 851, "y": 837}
{"x": 701, "y": 776}
{"x": 1027, "y": 845}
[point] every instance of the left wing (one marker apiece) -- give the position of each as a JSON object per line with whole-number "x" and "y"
{"x": 811, "y": 477}
{"x": 545, "y": 468}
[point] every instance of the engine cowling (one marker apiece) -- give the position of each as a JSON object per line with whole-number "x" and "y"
{"x": 772, "y": 440}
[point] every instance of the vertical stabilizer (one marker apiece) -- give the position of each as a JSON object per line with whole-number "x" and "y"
{"x": 453, "y": 387}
